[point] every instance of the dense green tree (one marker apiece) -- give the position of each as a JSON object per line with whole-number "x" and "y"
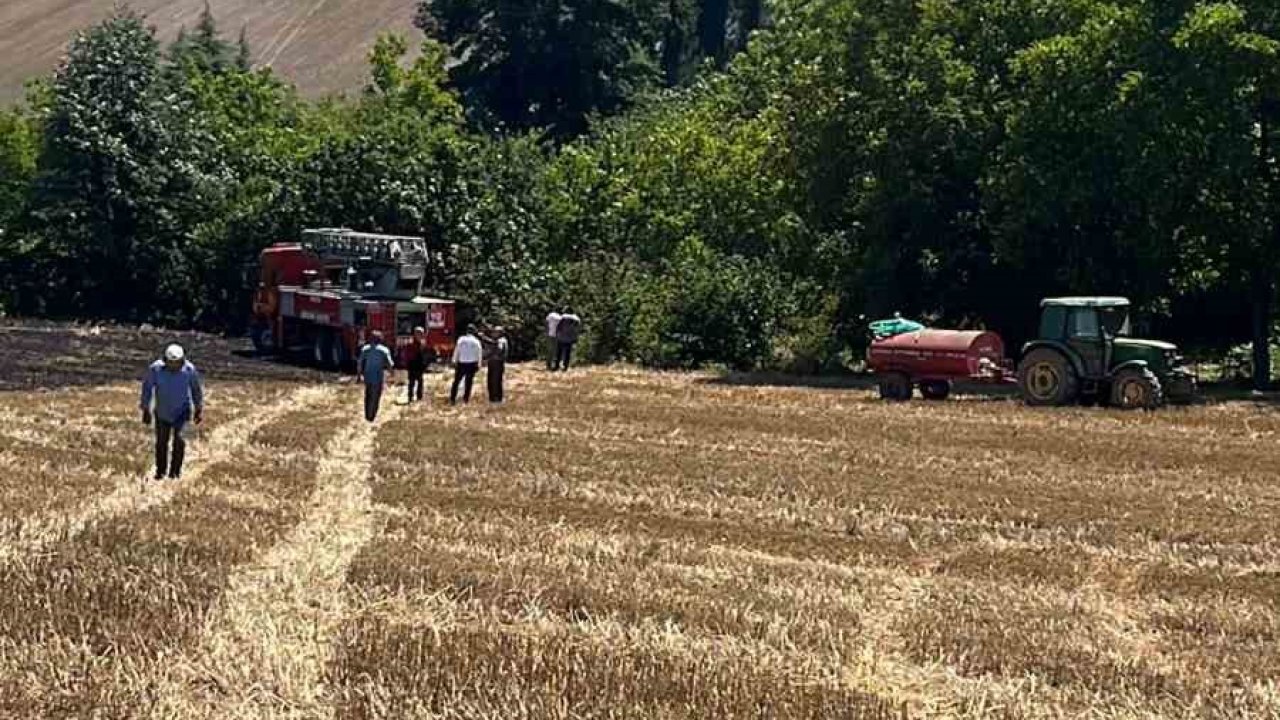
{"x": 546, "y": 63}
{"x": 205, "y": 50}
{"x": 119, "y": 186}
{"x": 18, "y": 149}
{"x": 949, "y": 160}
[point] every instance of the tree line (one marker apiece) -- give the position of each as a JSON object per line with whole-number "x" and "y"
{"x": 714, "y": 181}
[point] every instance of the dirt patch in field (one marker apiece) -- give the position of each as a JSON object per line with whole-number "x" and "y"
{"x": 51, "y": 356}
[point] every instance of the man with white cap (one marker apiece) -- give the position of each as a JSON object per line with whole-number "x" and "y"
{"x": 172, "y": 385}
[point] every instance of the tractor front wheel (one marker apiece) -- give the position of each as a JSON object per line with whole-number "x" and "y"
{"x": 895, "y": 386}
{"x": 1136, "y": 388}
{"x": 1046, "y": 377}
{"x": 935, "y": 389}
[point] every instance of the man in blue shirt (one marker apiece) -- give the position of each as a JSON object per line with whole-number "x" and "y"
{"x": 173, "y": 385}
{"x": 374, "y": 367}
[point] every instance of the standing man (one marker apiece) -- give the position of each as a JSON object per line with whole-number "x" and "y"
{"x": 497, "y": 364}
{"x": 375, "y": 368}
{"x": 466, "y": 362}
{"x": 553, "y": 349}
{"x": 174, "y": 386}
{"x": 567, "y": 332}
{"x": 416, "y": 357}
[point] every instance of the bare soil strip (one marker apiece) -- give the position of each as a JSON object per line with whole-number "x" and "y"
{"x": 264, "y": 652}
{"x": 134, "y": 494}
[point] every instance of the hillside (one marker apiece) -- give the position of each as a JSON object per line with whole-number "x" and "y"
{"x": 318, "y": 44}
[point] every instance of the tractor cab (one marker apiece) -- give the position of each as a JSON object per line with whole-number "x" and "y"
{"x": 1084, "y": 352}
{"x": 1089, "y": 327}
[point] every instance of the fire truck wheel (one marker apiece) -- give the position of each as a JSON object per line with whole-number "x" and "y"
{"x": 320, "y": 348}
{"x": 336, "y": 354}
{"x": 263, "y": 340}
{"x": 895, "y": 386}
{"x": 345, "y": 361}
{"x": 935, "y": 389}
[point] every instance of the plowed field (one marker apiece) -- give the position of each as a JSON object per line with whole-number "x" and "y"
{"x": 321, "y": 45}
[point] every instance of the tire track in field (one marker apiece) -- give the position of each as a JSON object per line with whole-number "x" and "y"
{"x": 132, "y": 495}
{"x": 881, "y": 665}
{"x": 263, "y": 654}
{"x": 298, "y": 24}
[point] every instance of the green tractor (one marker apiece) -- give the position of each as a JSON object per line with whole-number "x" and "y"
{"x": 1084, "y": 354}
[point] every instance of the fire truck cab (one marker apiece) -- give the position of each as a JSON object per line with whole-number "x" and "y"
{"x": 322, "y": 297}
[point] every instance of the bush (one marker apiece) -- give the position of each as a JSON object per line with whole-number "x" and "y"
{"x": 704, "y": 308}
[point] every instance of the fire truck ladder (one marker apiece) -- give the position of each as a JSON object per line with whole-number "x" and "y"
{"x": 392, "y": 249}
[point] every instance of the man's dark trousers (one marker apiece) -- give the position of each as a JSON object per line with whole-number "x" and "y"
{"x": 372, "y": 399}
{"x": 497, "y": 370}
{"x": 463, "y": 373}
{"x": 563, "y": 352}
{"x": 417, "y": 375}
{"x": 167, "y": 432}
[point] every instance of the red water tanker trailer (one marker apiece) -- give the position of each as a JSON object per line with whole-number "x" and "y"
{"x": 934, "y": 359}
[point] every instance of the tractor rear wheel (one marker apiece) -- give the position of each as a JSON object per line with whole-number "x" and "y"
{"x": 895, "y": 386}
{"x": 935, "y": 389}
{"x": 1136, "y": 388}
{"x": 1046, "y": 377}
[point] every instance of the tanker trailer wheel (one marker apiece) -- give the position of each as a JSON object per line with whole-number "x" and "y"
{"x": 1135, "y": 388}
{"x": 1046, "y": 377}
{"x": 895, "y": 386}
{"x": 935, "y": 389}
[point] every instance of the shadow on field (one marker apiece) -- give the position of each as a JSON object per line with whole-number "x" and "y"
{"x": 849, "y": 381}
{"x": 46, "y": 355}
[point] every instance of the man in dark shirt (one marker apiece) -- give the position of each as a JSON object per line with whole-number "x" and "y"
{"x": 498, "y": 346}
{"x": 567, "y": 332}
{"x": 416, "y": 358}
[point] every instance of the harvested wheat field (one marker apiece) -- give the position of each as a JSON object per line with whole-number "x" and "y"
{"x": 618, "y": 543}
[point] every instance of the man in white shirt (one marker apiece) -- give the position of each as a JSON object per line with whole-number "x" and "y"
{"x": 553, "y": 322}
{"x": 466, "y": 363}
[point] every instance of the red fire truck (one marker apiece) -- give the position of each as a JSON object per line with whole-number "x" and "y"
{"x": 323, "y": 296}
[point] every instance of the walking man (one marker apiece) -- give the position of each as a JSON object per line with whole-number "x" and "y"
{"x": 567, "y": 332}
{"x": 416, "y": 358}
{"x": 172, "y": 396}
{"x": 375, "y": 368}
{"x": 497, "y": 364}
{"x": 553, "y": 348}
{"x": 466, "y": 362}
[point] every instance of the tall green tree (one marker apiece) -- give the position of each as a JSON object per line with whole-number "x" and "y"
{"x": 547, "y": 64}
{"x": 119, "y": 185}
{"x": 1227, "y": 72}
{"x": 18, "y": 149}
